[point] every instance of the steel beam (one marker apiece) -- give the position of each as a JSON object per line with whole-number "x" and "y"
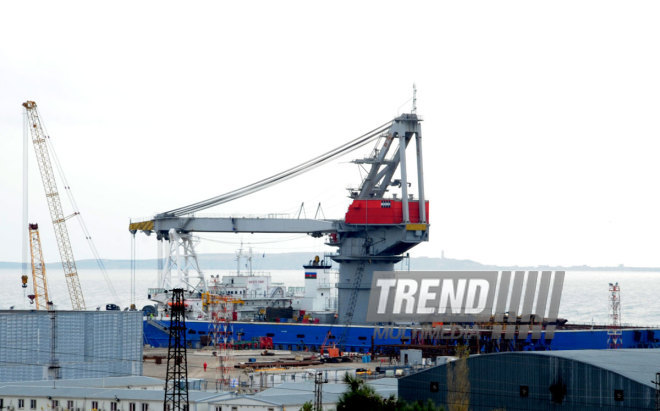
{"x": 244, "y": 225}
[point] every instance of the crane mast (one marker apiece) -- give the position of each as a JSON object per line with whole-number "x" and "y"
{"x": 38, "y": 269}
{"x": 54, "y": 205}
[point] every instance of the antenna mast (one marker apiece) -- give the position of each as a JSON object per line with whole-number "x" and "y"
{"x": 414, "y": 107}
{"x": 614, "y": 332}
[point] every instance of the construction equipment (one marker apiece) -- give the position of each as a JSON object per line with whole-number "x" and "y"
{"x": 327, "y": 347}
{"x": 377, "y": 229}
{"x": 54, "y": 205}
{"x": 39, "y": 282}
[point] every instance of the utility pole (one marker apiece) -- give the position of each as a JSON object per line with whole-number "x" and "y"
{"x": 318, "y": 390}
{"x": 53, "y": 366}
{"x": 176, "y": 381}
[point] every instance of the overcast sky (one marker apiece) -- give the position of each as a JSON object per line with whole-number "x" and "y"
{"x": 541, "y": 129}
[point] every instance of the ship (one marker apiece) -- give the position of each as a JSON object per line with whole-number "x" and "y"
{"x": 254, "y": 296}
{"x": 384, "y": 220}
{"x": 360, "y": 338}
{"x": 313, "y": 325}
{"x": 298, "y": 333}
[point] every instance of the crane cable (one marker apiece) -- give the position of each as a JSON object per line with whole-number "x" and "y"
{"x": 81, "y": 221}
{"x": 280, "y": 177}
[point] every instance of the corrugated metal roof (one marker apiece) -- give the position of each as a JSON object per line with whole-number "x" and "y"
{"x": 283, "y": 394}
{"x": 638, "y": 364}
{"x": 102, "y": 393}
{"x": 299, "y": 399}
{"x": 290, "y": 393}
{"x": 107, "y": 382}
{"x": 248, "y": 400}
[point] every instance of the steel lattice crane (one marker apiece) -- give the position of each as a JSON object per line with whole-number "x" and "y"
{"x": 38, "y": 270}
{"x": 54, "y": 205}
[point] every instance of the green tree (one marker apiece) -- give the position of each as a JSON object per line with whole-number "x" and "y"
{"x": 308, "y": 406}
{"x": 429, "y": 405}
{"x": 362, "y": 397}
{"x": 359, "y": 396}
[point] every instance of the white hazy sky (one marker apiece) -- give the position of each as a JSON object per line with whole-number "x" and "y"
{"x": 541, "y": 131}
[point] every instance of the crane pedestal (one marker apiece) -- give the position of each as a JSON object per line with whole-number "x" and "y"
{"x": 354, "y": 285}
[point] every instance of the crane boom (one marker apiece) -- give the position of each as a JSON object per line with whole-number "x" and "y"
{"x": 235, "y": 225}
{"x": 54, "y": 205}
{"x": 38, "y": 269}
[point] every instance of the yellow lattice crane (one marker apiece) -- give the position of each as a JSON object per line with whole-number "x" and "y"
{"x": 38, "y": 270}
{"x": 54, "y": 205}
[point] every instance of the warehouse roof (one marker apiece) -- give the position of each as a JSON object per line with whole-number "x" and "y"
{"x": 638, "y": 364}
{"x": 283, "y": 394}
{"x": 298, "y": 393}
{"x": 107, "y": 382}
{"x": 101, "y": 393}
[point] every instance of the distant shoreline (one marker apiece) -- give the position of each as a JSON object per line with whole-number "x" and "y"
{"x": 294, "y": 261}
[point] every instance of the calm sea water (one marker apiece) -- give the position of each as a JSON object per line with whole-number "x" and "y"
{"x": 585, "y": 296}
{"x": 96, "y": 290}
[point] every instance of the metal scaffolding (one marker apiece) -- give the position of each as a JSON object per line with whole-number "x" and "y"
{"x": 614, "y": 331}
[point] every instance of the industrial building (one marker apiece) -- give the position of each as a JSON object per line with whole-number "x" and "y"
{"x": 32, "y": 398}
{"x": 146, "y": 394}
{"x": 567, "y": 380}
{"x": 36, "y": 345}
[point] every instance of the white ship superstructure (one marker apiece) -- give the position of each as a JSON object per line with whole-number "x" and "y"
{"x": 320, "y": 291}
{"x": 255, "y": 297}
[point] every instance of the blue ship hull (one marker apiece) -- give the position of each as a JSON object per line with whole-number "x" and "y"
{"x": 296, "y": 336}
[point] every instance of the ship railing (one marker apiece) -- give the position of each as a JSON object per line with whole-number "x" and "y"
{"x": 295, "y": 291}
{"x": 256, "y": 273}
{"x": 140, "y": 219}
{"x": 255, "y": 216}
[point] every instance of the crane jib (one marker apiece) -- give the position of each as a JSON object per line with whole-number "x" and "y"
{"x": 54, "y": 205}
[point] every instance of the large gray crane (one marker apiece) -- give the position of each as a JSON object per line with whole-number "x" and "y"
{"x": 378, "y": 229}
